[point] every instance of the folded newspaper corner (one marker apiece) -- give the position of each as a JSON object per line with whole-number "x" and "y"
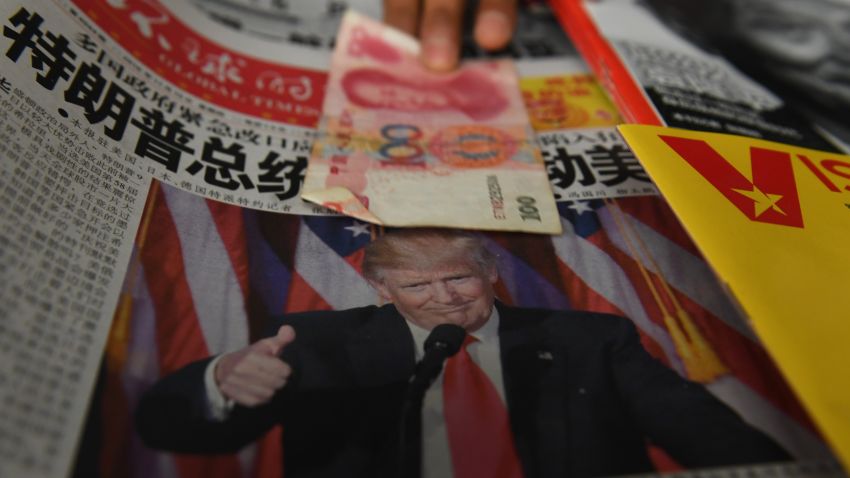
{"x": 402, "y": 146}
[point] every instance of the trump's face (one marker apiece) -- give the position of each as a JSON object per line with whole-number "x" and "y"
{"x": 456, "y": 292}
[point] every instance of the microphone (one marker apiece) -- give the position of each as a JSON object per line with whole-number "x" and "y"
{"x": 443, "y": 342}
{"x": 447, "y": 337}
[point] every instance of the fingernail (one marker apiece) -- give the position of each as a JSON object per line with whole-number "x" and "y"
{"x": 491, "y": 28}
{"x": 439, "y": 52}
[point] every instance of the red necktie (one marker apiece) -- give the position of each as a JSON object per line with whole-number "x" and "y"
{"x": 479, "y": 430}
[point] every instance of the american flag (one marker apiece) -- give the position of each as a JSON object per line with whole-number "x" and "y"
{"x": 206, "y": 277}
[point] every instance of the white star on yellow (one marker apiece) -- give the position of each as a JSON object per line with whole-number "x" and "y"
{"x": 762, "y": 201}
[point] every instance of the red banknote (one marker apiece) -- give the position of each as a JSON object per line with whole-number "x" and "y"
{"x": 403, "y": 146}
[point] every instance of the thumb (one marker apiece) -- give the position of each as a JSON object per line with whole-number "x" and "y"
{"x": 285, "y": 336}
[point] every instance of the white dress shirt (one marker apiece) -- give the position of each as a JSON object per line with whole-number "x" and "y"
{"x": 436, "y": 454}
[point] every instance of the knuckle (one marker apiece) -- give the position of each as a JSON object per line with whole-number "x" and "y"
{"x": 242, "y": 366}
{"x": 444, "y": 10}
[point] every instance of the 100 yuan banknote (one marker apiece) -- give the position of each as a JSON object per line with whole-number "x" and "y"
{"x": 403, "y": 146}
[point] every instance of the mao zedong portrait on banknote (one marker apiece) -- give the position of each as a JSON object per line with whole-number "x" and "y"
{"x": 444, "y": 380}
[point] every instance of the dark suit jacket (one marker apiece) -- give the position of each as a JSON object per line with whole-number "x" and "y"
{"x": 583, "y": 396}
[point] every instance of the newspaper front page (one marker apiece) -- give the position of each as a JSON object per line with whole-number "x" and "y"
{"x": 99, "y": 98}
{"x": 85, "y": 126}
{"x": 70, "y": 203}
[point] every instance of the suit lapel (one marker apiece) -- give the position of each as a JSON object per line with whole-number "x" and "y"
{"x": 535, "y": 391}
{"x": 381, "y": 352}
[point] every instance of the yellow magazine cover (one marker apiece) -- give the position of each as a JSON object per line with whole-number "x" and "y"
{"x": 773, "y": 220}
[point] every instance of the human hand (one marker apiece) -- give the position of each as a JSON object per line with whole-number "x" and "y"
{"x": 252, "y": 375}
{"x": 438, "y": 23}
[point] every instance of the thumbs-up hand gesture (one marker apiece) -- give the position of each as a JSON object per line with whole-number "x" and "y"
{"x": 252, "y": 375}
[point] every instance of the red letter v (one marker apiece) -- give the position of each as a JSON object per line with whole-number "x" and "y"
{"x": 771, "y": 197}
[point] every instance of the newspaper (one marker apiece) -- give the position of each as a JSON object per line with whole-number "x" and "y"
{"x": 70, "y": 205}
{"x": 202, "y": 117}
{"x": 574, "y": 120}
{"x": 84, "y": 128}
{"x": 658, "y": 75}
{"x": 585, "y": 157}
{"x": 100, "y": 299}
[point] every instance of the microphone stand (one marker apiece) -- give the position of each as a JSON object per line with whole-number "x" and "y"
{"x": 410, "y": 438}
{"x": 444, "y": 341}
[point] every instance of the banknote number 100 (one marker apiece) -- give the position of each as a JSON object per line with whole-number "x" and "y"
{"x": 401, "y": 147}
{"x": 527, "y": 208}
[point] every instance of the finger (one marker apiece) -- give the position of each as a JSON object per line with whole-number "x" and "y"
{"x": 440, "y": 33}
{"x": 261, "y": 375}
{"x": 402, "y": 14}
{"x": 256, "y": 383}
{"x": 247, "y": 394}
{"x": 274, "y": 345}
{"x": 285, "y": 336}
{"x": 243, "y": 387}
{"x": 263, "y": 365}
{"x": 494, "y": 23}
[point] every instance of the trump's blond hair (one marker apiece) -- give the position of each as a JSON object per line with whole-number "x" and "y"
{"x": 424, "y": 248}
